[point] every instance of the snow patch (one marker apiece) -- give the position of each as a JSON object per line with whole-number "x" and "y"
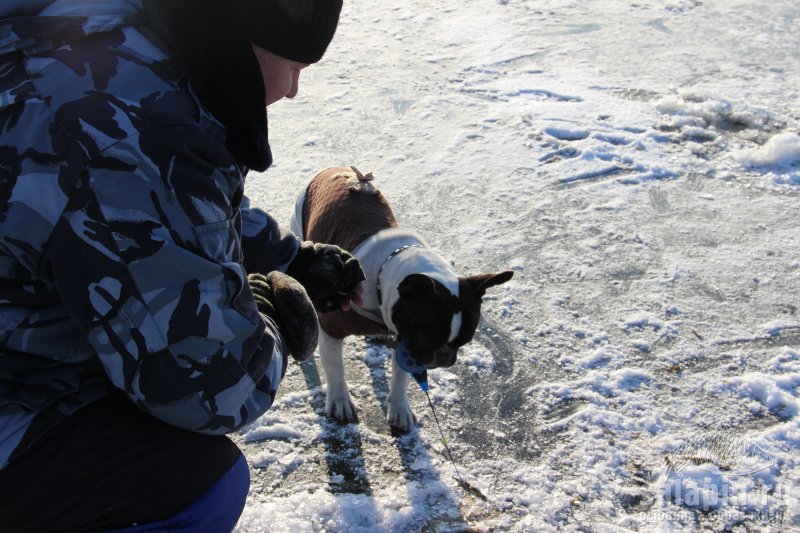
{"x": 781, "y": 151}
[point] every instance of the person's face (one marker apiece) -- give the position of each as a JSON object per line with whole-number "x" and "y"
{"x": 281, "y": 76}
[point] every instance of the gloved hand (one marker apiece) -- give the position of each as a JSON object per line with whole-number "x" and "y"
{"x": 331, "y": 276}
{"x": 285, "y": 301}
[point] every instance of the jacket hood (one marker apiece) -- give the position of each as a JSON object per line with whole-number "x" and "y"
{"x": 23, "y": 25}
{"x": 67, "y": 8}
{"x": 220, "y": 64}
{"x": 22, "y": 8}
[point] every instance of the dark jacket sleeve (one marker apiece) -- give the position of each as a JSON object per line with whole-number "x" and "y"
{"x": 148, "y": 259}
{"x": 266, "y": 245}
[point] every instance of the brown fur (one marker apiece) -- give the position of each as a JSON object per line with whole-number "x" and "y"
{"x": 336, "y": 214}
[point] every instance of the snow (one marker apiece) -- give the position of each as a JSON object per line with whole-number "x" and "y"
{"x": 637, "y": 164}
{"x": 782, "y": 150}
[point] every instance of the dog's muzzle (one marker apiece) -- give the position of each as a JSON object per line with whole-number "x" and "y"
{"x": 443, "y": 357}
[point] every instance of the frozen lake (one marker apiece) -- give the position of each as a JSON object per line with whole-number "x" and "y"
{"x": 638, "y": 165}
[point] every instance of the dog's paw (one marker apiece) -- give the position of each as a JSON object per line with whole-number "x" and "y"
{"x": 400, "y": 416}
{"x": 341, "y": 408}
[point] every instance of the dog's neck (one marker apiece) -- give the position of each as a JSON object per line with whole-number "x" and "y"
{"x": 386, "y": 267}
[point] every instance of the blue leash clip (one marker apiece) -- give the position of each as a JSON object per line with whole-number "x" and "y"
{"x": 420, "y": 374}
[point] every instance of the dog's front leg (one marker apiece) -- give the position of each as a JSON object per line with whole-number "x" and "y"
{"x": 338, "y": 404}
{"x": 400, "y": 414}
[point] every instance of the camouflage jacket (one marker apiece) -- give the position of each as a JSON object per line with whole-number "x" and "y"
{"x": 125, "y": 236}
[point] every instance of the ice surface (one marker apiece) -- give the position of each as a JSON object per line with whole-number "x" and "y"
{"x": 638, "y": 165}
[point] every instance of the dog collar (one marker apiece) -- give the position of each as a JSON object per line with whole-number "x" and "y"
{"x": 380, "y": 270}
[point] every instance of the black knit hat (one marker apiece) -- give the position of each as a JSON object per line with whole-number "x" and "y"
{"x": 298, "y": 30}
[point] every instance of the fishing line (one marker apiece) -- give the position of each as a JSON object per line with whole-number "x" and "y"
{"x": 420, "y": 375}
{"x": 444, "y": 440}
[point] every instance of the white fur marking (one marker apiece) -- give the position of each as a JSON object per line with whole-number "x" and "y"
{"x": 455, "y": 326}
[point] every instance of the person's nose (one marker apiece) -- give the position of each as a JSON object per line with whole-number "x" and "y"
{"x": 295, "y": 86}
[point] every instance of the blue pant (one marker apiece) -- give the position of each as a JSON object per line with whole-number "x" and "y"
{"x": 217, "y": 511}
{"x": 110, "y": 465}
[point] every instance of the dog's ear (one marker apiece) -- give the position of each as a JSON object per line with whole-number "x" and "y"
{"x": 481, "y": 282}
{"x": 415, "y": 287}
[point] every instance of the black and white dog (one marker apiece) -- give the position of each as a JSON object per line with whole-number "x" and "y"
{"x": 410, "y": 291}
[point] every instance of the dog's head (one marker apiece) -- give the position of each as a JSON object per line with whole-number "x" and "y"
{"x": 436, "y": 323}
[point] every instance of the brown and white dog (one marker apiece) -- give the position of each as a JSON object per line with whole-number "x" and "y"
{"x": 410, "y": 291}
